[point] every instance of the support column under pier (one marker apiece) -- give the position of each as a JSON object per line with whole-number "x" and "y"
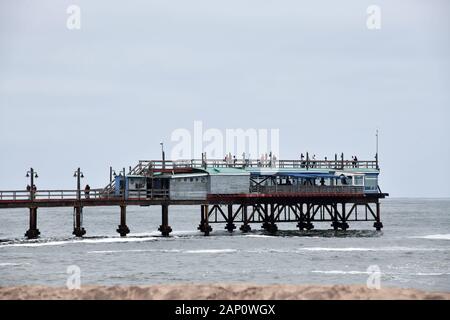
{"x": 230, "y": 225}
{"x": 309, "y": 226}
{"x": 266, "y": 222}
{"x": 344, "y": 225}
{"x": 123, "y": 229}
{"x": 78, "y": 230}
{"x": 271, "y": 226}
{"x": 245, "y": 227}
{"x": 301, "y": 225}
{"x": 164, "y": 227}
{"x": 335, "y": 223}
{"x": 33, "y": 232}
{"x": 204, "y": 220}
{"x": 378, "y": 225}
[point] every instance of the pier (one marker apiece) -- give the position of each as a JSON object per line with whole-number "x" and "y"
{"x": 239, "y": 194}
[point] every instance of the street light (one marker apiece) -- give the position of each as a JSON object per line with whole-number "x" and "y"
{"x": 79, "y": 175}
{"x": 163, "y": 155}
{"x": 32, "y": 175}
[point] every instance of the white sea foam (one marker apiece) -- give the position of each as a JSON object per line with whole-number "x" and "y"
{"x": 435, "y": 237}
{"x": 372, "y": 249}
{"x": 339, "y": 272}
{"x": 430, "y": 274}
{"x": 12, "y": 264}
{"x": 205, "y": 251}
{"x": 134, "y": 251}
{"x": 271, "y": 250}
{"x": 346, "y": 249}
{"x": 385, "y": 273}
{"x": 79, "y": 241}
{"x": 258, "y": 236}
{"x": 211, "y": 251}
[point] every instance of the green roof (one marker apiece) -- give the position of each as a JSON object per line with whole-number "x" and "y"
{"x": 225, "y": 171}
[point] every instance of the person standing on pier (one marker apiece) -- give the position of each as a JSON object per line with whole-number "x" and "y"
{"x": 302, "y": 161}
{"x": 87, "y": 190}
{"x": 274, "y": 160}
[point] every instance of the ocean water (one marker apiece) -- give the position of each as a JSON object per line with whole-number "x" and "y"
{"x": 412, "y": 251}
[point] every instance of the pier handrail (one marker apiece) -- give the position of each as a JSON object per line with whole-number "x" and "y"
{"x": 94, "y": 194}
{"x": 241, "y": 163}
{"x": 307, "y": 189}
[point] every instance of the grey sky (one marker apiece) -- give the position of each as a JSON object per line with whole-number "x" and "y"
{"x": 137, "y": 70}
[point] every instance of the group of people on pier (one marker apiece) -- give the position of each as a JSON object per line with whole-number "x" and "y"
{"x": 265, "y": 160}
{"x": 87, "y": 190}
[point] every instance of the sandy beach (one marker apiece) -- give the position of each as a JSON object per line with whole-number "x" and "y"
{"x": 217, "y": 292}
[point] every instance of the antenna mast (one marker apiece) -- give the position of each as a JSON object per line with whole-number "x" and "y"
{"x": 376, "y": 155}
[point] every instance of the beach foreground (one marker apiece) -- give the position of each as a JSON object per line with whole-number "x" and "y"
{"x": 217, "y": 292}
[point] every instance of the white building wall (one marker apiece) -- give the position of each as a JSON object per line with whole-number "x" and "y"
{"x": 229, "y": 184}
{"x": 188, "y": 190}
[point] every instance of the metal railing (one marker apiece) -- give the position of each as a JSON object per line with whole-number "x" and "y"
{"x": 241, "y": 163}
{"x": 94, "y": 194}
{"x": 140, "y": 169}
{"x": 307, "y": 189}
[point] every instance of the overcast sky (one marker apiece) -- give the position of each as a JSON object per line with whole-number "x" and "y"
{"x": 107, "y": 94}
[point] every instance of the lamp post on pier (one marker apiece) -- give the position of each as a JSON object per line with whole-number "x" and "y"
{"x": 78, "y": 230}
{"x": 163, "y": 155}
{"x": 33, "y": 232}
{"x": 32, "y": 175}
{"x": 79, "y": 175}
{"x": 376, "y": 154}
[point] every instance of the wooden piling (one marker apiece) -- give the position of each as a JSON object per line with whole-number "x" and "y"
{"x": 164, "y": 227}
{"x": 123, "y": 229}
{"x": 78, "y": 230}
{"x": 378, "y": 225}
{"x": 245, "y": 227}
{"x": 33, "y": 232}
{"x": 230, "y": 225}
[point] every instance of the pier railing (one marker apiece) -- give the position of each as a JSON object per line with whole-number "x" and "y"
{"x": 94, "y": 194}
{"x": 307, "y": 189}
{"x": 252, "y": 163}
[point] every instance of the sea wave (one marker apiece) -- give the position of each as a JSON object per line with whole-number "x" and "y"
{"x": 339, "y": 272}
{"x": 372, "y": 249}
{"x": 269, "y": 250}
{"x": 134, "y": 251}
{"x": 434, "y": 237}
{"x": 258, "y": 236}
{"x": 78, "y": 241}
{"x": 200, "y": 251}
{"x": 12, "y": 264}
{"x": 385, "y": 273}
{"x": 211, "y": 251}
